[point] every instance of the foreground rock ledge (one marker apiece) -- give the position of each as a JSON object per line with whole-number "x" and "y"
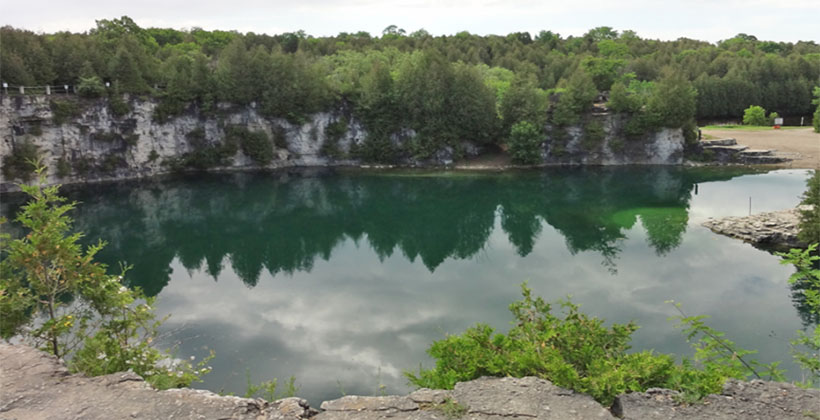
{"x": 771, "y": 230}
{"x": 35, "y": 385}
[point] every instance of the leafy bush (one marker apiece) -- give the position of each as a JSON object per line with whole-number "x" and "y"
{"x": 73, "y": 308}
{"x": 21, "y": 162}
{"x": 810, "y": 219}
{"x": 525, "y": 143}
{"x": 90, "y": 87}
{"x": 578, "y": 352}
{"x": 204, "y": 155}
{"x": 106, "y": 136}
{"x": 806, "y": 347}
{"x": 755, "y": 115}
{"x": 333, "y": 133}
{"x": 254, "y": 144}
{"x": 376, "y": 148}
{"x": 593, "y": 135}
{"x": 63, "y": 110}
{"x": 816, "y": 117}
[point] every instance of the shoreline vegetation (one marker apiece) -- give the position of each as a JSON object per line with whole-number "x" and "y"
{"x": 414, "y": 95}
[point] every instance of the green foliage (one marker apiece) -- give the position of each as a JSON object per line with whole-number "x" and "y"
{"x": 21, "y": 162}
{"x": 205, "y": 155}
{"x": 806, "y": 347}
{"x": 63, "y": 111}
{"x": 118, "y": 106}
{"x": 816, "y": 117}
{"x": 593, "y": 135}
{"x": 810, "y": 218}
{"x": 451, "y": 409}
{"x": 254, "y": 144}
{"x": 59, "y": 299}
{"x": 525, "y": 143}
{"x": 106, "y": 136}
{"x": 672, "y": 102}
{"x": 580, "y": 353}
{"x": 720, "y": 357}
{"x": 576, "y": 99}
{"x": 268, "y": 389}
{"x": 575, "y": 352}
{"x": 333, "y": 133}
{"x": 755, "y": 115}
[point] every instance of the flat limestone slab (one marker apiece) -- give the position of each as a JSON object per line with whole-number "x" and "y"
{"x": 754, "y": 400}
{"x": 36, "y": 386}
{"x": 776, "y": 229}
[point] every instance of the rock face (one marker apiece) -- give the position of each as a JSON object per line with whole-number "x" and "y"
{"x": 755, "y": 400}
{"x": 97, "y": 145}
{"x": 485, "y": 398}
{"x": 772, "y": 230}
{"x": 573, "y": 146}
{"x": 85, "y": 142}
{"x": 35, "y": 385}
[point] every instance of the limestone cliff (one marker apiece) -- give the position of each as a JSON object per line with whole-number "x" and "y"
{"x": 82, "y": 140}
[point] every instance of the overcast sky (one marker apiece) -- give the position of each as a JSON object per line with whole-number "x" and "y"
{"x": 789, "y": 20}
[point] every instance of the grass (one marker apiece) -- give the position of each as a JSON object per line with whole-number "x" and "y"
{"x": 747, "y": 127}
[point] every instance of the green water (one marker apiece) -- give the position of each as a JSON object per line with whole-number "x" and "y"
{"x": 343, "y": 279}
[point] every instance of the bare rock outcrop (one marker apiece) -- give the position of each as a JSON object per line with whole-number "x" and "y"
{"x": 755, "y": 400}
{"x": 772, "y": 230}
{"x": 35, "y": 385}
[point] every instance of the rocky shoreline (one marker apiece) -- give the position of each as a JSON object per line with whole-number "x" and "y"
{"x": 36, "y": 385}
{"x": 776, "y": 230}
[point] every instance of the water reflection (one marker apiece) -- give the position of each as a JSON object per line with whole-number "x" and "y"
{"x": 348, "y": 277}
{"x": 283, "y": 222}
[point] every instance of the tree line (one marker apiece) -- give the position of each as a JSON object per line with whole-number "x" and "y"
{"x": 445, "y": 88}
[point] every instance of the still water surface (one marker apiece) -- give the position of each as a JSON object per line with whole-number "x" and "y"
{"x": 343, "y": 279}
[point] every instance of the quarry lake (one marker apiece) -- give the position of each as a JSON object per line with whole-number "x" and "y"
{"x": 342, "y": 279}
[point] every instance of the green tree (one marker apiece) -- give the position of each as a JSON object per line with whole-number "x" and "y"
{"x": 672, "y": 102}
{"x": 525, "y": 143}
{"x": 810, "y": 218}
{"x": 59, "y": 299}
{"x": 576, "y": 99}
{"x": 816, "y": 117}
{"x": 755, "y": 115}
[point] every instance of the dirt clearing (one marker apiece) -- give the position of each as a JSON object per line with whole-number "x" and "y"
{"x": 802, "y": 145}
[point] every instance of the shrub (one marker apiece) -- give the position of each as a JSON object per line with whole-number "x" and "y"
{"x": 773, "y": 116}
{"x": 105, "y": 136}
{"x": 525, "y": 143}
{"x": 806, "y": 347}
{"x": 90, "y": 87}
{"x": 57, "y": 298}
{"x": 63, "y": 110}
{"x": 20, "y": 164}
{"x": 333, "y": 133}
{"x": 810, "y": 219}
{"x": 579, "y": 353}
{"x": 593, "y": 135}
{"x": 254, "y": 144}
{"x": 755, "y": 115}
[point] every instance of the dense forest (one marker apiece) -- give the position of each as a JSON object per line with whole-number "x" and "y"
{"x": 444, "y": 88}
